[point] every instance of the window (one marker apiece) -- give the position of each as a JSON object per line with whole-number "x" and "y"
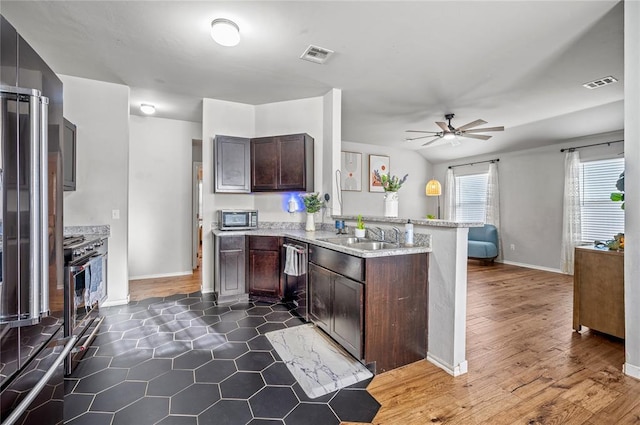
{"x": 471, "y": 197}
{"x": 601, "y": 217}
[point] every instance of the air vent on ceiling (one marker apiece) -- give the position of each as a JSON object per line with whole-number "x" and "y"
{"x": 316, "y": 54}
{"x": 600, "y": 82}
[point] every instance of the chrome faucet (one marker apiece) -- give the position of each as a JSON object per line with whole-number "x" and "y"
{"x": 380, "y": 232}
{"x": 397, "y": 231}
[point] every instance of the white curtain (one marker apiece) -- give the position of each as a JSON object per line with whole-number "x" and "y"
{"x": 493, "y": 203}
{"x": 571, "y": 220}
{"x": 450, "y": 196}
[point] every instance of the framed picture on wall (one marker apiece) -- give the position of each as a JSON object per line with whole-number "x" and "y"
{"x": 351, "y": 171}
{"x": 381, "y": 164}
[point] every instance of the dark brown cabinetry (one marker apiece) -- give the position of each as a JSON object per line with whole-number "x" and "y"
{"x": 376, "y": 308}
{"x": 233, "y": 164}
{"x": 264, "y": 266}
{"x": 337, "y": 307}
{"x": 282, "y": 163}
{"x": 69, "y": 157}
{"x": 598, "y": 290}
{"x": 230, "y": 263}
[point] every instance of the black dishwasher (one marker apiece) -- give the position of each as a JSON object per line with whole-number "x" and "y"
{"x": 296, "y": 287}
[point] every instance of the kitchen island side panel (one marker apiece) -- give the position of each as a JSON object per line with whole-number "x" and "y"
{"x": 396, "y": 310}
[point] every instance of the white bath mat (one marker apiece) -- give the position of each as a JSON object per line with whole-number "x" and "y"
{"x": 319, "y": 364}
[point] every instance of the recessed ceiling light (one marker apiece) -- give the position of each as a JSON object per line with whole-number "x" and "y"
{"x": 147, "y": 108}
{"x": 225, "y": 32}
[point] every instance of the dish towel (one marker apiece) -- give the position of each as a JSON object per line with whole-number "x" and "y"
{"x": 96, "y": 288}
{"x": 295, "y": 263}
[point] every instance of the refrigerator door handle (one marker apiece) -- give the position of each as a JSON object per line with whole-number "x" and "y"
{"x": 44, "y": 205}
{"x": 34, "y": 209}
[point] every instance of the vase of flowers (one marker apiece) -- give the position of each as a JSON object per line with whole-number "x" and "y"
{"x": 312, "y": 204}
{"x": 391, "y": 185}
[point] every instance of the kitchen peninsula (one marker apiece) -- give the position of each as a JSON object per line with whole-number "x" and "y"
{"x": 447, "y": 286}
{"x": 445, "y": 301}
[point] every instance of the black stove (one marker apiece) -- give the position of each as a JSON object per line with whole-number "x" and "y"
{"x": 79, "y": 247}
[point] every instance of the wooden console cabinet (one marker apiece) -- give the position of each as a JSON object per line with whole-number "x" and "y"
{"x": 598, "y": 290}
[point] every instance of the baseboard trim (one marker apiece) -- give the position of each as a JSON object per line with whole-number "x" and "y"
{"x": 110, "y": 303}
{"x": 458, "y": 370}
{"x": 159, "y": 276}
{"x": 531, "y": 266}
{"x": 631, "y": 370}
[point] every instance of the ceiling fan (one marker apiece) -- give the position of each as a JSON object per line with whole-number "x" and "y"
{"x": 451, "y": 133}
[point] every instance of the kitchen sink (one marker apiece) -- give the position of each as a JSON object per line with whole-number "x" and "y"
{"x": 346, "y": 240}
{"x": 360, "y": 243}
{"x": 373, "y": 246}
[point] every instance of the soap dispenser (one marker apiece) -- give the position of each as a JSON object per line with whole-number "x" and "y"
{"x": 408, "y": 233}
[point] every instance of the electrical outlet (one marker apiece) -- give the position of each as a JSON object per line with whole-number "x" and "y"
{"x": 513, "y": 247}
{"x": 115, "y": 214}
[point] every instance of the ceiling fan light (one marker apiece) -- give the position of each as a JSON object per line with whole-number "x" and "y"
{"x": 225, "y": 32}
{"x": 449, "y": 136}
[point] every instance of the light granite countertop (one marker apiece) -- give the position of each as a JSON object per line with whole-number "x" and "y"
{"x": 419, "y": 222}
{"x": 316, "y": 237}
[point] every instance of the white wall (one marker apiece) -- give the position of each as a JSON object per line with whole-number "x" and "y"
{"x": 531, "y": 192}
{"x": 413, "y": 201}
{"x": 632, "y": 188}
{"x": 100, "y": 112}
{"x": 160, "y": 196}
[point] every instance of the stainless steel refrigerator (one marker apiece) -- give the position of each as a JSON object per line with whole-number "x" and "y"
{"x": 31, "y": 286}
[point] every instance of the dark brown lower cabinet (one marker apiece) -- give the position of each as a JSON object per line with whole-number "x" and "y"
{"x": 379, "y": 313}
{"x": 230, "y": 264}
{"x": 264, "y": 266}
{"x": 337, "y": 307}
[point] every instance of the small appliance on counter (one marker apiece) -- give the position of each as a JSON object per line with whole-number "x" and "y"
{"x": 237, "y": 219}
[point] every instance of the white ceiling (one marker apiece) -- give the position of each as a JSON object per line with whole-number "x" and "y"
{"x": 400, "y": 65}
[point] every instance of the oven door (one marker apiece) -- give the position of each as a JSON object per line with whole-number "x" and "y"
{"x": 84, "y": 291}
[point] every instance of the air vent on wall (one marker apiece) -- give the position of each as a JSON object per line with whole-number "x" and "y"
{"x": 599, "y": 82}
{"x": 316, "y": 54}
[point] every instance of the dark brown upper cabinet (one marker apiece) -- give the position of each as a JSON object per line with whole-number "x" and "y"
{"x": 282, "y": 163}
{"x": 69, "y": 157}
{"x": 232, "y": 162}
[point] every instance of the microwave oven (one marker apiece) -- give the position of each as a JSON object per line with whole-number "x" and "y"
{"x": 237, "y": 219}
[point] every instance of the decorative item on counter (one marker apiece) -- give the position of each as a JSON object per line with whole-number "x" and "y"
{"x": 312, "y": 203}
{"x": 617, "y": 243}
{"x": 360, "y": 231}
{"x": 391, "y": 185}
{"x": 292, "y": 205}
{"x": 340, "y": 227}
{"x": 619, "y": 196}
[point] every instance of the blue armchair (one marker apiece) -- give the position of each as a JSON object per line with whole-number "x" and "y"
{"x": 483, "y": 242}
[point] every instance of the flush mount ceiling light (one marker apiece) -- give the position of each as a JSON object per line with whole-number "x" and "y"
{"x": 225, "y": 32}
{"x": 147, "y": 108}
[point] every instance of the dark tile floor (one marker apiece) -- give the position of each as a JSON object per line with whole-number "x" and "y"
{"x": 186, "y": 359}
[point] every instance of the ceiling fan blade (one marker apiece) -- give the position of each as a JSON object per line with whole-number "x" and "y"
{"x": 443, "y": 126}
{"x": 475, "y": 136}
{"x": 421, "y": 131}
{"x": 471, "y": 124}
{"x": 408, "y": 139}
{"x": 480, "y": 130}
{"x": 430, "y": 141}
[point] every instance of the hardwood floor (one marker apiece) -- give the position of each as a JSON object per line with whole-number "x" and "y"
{"x": 163, "y": 287}
{"x": 526, "y": 364}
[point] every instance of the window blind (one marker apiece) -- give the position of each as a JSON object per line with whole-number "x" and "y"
{"x": 471, "y": 197}
{"x": 601, "y": 217}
